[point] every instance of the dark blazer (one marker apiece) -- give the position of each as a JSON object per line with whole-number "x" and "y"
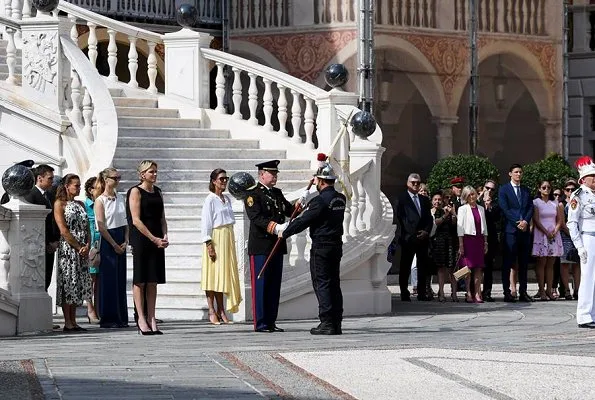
{"x": 408, "y": 220}
{"x": 52, "y": 233}
{"x": 513, "y": 210}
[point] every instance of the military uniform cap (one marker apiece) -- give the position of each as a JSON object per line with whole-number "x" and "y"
{"x": 269, "y": 166}
{"x": 457, "y": 181}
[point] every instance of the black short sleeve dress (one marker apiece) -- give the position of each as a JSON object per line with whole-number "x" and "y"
{"x": 148, "y": 260}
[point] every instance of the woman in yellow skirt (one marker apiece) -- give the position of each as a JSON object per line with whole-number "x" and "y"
{"x": 219, "y": 264}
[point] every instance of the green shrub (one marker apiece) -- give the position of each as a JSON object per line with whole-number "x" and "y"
{"x": 476, "y": 170}
{"x": 553, "y": 168}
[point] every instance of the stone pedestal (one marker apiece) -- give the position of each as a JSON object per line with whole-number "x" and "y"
{"x": 26, "y": 237}
{"x": 241, "y": 230}
{"x": 186, "y": 71}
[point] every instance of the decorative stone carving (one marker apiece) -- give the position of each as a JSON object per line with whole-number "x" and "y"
{"x": 32, "y": 257}
{"x": 5, "y": 216}
{"x": 40, "y": 60}
{"x": 18, "y": 180}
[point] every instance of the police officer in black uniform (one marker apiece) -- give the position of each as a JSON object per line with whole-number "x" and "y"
{"x": 324, "y": 215}
{"x": 267, "y": 210}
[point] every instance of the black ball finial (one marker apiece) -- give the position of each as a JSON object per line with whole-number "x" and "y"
{"x": 187, "y": 15}
{"x": 336, "y": 75}
{"x": 363, "y": 124}
{"x": 18, "y": 180}
{"x": 239, "y": 183}
{"x": 45, "y": 5}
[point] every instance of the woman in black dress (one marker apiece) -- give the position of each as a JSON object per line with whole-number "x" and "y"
{"x": 443, "y": 249}
{"x": 148, "y": 238}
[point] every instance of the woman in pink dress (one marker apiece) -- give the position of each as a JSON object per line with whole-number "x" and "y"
{"x": 473, "y": 240}
{"x": 547, "y": 243}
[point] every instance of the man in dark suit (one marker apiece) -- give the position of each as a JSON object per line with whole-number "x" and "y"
{"x": 517, "y": 208}
{"x": 489, "y": 201}
{"x": 414, "y": 224}
{"x": 41, "y": 195}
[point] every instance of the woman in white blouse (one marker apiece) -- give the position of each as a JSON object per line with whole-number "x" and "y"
{"x": 110, "y": 215}
{"x": 473, "y": 240}
{"x": 219, "y": 264}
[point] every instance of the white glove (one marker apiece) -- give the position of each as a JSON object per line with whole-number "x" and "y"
{"x": 304, "y": 197}
{"x": 583, "y": 255}
{"x": 280, "y": 228}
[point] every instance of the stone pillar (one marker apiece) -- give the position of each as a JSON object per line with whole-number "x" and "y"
{"x": 241, "y": 230}
{"x": 186, "y": 70}
{"x": 445, "y": 125}
{"x": 26, "y": 236}
{"x": 553, "y": 136}
{"x": 5, "y": 217}
{"x": 42, "y": 61}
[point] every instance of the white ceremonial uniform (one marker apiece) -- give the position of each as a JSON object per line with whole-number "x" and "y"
{"x": 581, "y": 224}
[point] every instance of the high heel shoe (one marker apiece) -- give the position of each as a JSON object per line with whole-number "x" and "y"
{"x": 224, "y": 318}
{"x": 213, "y": 318}
{"x": 454, "y": 298}
{"x": 94, "y": 321}
{"x": 478, "y": 299}
{"x": 144, "y": 333}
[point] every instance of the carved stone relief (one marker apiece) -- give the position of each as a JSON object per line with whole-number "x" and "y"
{"x": 32, "y": 257}
{"x": 40, "y": 60}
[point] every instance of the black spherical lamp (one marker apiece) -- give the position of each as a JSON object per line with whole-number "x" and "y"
{"x": 363, "y": 124}
{"x": 187, "y": 15}
{"x": 239, "y": 183}
{"x": 18, "y": 181}
{"x": 336, "y": 75}
{"x": 45, "y": 5}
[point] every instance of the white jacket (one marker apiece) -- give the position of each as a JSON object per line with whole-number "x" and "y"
{"x": 466, "y": 223}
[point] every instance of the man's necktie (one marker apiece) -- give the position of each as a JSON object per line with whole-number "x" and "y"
{"x": 416, "y": 201}
{"x": 517, "y": 190}
{"x": 46, "y": 195}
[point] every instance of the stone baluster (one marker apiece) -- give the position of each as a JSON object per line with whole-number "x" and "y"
{"x": 256, "y": 10}
{"x": 309, "y": 122}
{"x": 320, "y": 11}
{"x": 279, "y": 21}
{"x": 499, "y": 6}
{"x": 92, "y": 43}
{"x": 296, "y": 117}
{"x": 252, "y": 98}
{"x": 7, "y": 10}
{"x": 132, "y": 62}
{"x": 74, "y": 33}
{"x": 395, "y": 12}
{"x": 152, "y": 67}
{"x": 355, "y": 10}
{"x": 94, "y": 125}
{"x": 334, "y": 10}
{"x": 4, "y": 249}
{"x": 347, "y": 220}
{"x": 354, "y": 207}
{"x": 417, "y": 12}
{"x": 17, "y": 9}
{"x": 410, "y": 13}
{"x": 75, "y": 95}
{"x": 11, "y": 56}
{"x": 282, "y": 111}
{"x": 267, "y": 100}
{"x": 220, "y": 89}
{"x": 345, "y": 11}
{"x": 525, "y": 17}
{"x": 26, "y": 8}
{"x": 246, "y": 14}
{"x": 509, "y": 14}
{"x": 234, "y": 14}
{"x": 112, "y": 55}
{"x": 301, "y": 240}
{"x": 268, "y": 8}
{"x": 237, "y": 93}
{"x": 88, "y": 116}
{"x": 492, "y": 17}
{"x": 360, "y": 223}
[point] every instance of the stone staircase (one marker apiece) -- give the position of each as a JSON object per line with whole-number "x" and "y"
{"x": 186, "y": 154}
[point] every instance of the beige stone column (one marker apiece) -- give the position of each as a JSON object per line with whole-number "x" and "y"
{"x": 552, "y": 135}
{"x": 444, "y": 135}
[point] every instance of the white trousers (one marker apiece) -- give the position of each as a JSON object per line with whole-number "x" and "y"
{"x": 585, "y": 311}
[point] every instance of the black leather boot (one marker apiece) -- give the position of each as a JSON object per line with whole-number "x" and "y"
{"x": 325, "y": 328}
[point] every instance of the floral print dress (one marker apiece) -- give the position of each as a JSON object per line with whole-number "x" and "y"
{"x": 73, "y": 280}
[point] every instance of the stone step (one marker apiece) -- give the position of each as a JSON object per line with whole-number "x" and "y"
{"x": 166, "y": 133}
{"x": 3, "y": 51}
{"x": 183, "y": 222}
{"x": 231, "y": 164}
{"x": 115, "y": 92}
{"x": 200, "y": 187}
{"x": 4, "y": 65}
{"x": 147, "y": 112}
{"x": 183, "y": 234}
{"x": 182, "y": 210}
{"x": 183, "y": 174}
{"x": 174, "y": 261}
{"x": 135, "y": 102}
{"x": 212, "y": 143}
{"x": 200, "y": 155}
{"x": 174, "y": 307}
{"x": 158, "y": 122}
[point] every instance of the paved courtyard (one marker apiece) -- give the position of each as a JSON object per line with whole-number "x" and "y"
{"x": 420, "y": 351}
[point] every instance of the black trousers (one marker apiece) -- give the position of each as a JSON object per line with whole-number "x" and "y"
{"x": 408, "y": 251}
{"x": 325, "y": 261}
{"x": 489, "y": 260}
{"x": 49, "y": 268}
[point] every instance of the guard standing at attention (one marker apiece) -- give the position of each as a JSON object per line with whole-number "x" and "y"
{"x": 324, "y": 215}
{"x": 581, "y": 224}
{"x": 267, "y": 209}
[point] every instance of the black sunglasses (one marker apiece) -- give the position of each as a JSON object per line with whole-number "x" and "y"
{"x": 546, "y": 187}
{"x": 488, "y": 188}
{"x": 414, "y": 183}
{"x": 116, "y": 178}
{"x": 223, "y": 179}
{"x": 557, "y": 194}
{"x": 569, "y": 189}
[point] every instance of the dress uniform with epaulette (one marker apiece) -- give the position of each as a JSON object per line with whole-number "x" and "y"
{"x": 324, "y": 216}
{"x": 581, "y": 224}
{"x": 267, "y": 210}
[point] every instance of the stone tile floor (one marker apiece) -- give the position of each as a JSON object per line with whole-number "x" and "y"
{"x": 420, "y": 351}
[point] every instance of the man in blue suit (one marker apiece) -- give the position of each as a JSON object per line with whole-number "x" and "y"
{"x": 517, "y": 207}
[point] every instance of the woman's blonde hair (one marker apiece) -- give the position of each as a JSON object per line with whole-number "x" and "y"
{"x": 467, "y": 190}
{"x": 100, "y": 182}
{"x": 143, "y": 166}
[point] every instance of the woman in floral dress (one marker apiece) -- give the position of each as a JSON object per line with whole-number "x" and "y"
{"x": 73, "y": 279}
